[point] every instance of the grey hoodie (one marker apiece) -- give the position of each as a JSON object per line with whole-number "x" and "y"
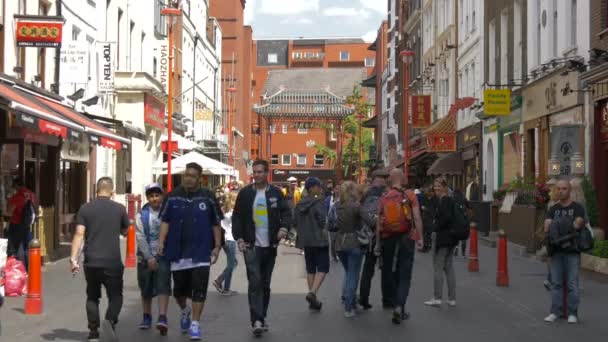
{"x": 310, "y": 217}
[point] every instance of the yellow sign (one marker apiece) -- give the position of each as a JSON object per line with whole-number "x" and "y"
{"x": 203, "y": 114}
{"x": 497, "y": 101}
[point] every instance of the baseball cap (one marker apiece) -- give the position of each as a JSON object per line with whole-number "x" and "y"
{"x": 312, "y": 181}
{"x": 152, "y": 187}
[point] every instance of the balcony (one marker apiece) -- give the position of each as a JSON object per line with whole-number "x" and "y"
{"x": 307, "y": 56}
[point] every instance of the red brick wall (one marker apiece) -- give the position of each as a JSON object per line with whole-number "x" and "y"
{"x": 599, "y": 23}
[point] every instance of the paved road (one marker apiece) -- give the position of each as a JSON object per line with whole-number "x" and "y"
{"x": 484, "y": 312}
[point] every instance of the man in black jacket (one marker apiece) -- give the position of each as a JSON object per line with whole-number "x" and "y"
{"x": 259, "y": 222}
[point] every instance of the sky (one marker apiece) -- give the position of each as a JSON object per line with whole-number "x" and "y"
{"x": 315, "y": 18}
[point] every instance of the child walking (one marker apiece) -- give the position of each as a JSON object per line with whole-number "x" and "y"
{"x": 224, "y": 280}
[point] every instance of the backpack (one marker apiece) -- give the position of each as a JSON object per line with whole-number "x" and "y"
{"x": 396, "y": 212}
{"x": 369, "y": 210}
{"x": 28, "y": 215}
{"x": 460, "y": 228}
{"x": 332, "y": 219}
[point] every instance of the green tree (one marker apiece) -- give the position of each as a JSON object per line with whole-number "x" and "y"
{"x": 350, "y": 150}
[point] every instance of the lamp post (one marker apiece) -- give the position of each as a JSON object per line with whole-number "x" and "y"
{"x": 170, "y": 12}
{"x": 231, "y": 91}
{"x": 407, "y": 57}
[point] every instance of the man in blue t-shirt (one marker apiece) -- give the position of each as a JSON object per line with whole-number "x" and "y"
{"x": 190, "y": 239}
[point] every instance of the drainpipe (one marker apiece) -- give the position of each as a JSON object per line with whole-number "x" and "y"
{"x": 57, "y": 53}
{"x": 214, "y": 99}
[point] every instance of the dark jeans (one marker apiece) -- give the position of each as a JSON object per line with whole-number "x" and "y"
{"x": 111, "y": 279}
{"x": 259, "y": 262}
{"x": 565, "y": 268}
{"x": 397, "y": 264}
{"x": 231, "y": 263}
{"x": 369, "y": 267}
{"x": 18, "y": 239}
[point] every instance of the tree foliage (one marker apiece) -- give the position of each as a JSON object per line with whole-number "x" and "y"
{"x": 350, "y": 151}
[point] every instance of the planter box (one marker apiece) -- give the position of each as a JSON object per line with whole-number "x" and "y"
{"x": 593, "y": 263}
{"x": 599, "y": 234}
{"x": 520, "y": 226}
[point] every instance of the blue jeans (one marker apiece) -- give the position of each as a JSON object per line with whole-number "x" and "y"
{"x": 231, "y": 263}
{"x": 565, "y": 268}
{"x": 351, "y": 260}
{"x": 397, "y": 264}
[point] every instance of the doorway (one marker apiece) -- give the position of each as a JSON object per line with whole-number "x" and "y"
{"x": 489, "y": 184}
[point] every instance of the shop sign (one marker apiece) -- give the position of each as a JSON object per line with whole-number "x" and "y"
{"x": 421, "y": 111}
{"x": 154, "y": 112}
{"x": 163, "y": 65}
{"x": 75, "y": 63}
{"x": 106, "y": 56}
{"x": 497, "y": 101}
{"x": 441, "y": 142}
{"x": 75, "y": 150}
{"x": 203, "y": 114}
{"x": 549, "y": 95}
{"x": 41, "y": 33}
{"x": 469, "y": 136}
{"x": 281, "y": 175}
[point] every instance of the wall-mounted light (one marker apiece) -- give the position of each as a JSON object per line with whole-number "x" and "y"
{"x": 577, "y": 164}
{"x": 554, "y": 167}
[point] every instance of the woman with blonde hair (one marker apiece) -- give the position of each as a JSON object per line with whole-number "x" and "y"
{"x": 347, "y": 243}
{"x": 223, "y": 281}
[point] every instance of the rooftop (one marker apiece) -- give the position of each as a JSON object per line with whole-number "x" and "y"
{"x": 338, "y": 81}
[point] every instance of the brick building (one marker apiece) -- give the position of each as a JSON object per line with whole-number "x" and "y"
{"x": 236, "y": 74}
{"x": 329, "y": 67}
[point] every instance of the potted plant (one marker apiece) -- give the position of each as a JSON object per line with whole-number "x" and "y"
{"x": 597, "y": 259}
{"x": 591, "y": 207}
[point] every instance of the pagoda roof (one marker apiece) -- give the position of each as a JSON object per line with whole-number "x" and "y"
{"x": 339, "y": 81}
{"x": 304, "y": 104}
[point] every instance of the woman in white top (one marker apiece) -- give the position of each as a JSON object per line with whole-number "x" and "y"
{"x": 223, "y": 281}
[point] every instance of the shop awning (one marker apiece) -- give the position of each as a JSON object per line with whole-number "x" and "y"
{"x": 371, "y": 122}
{"x": 210, "y": 166}
{"x": 47, "y": 115}
{"x": 182, "y": 143}
{"x": 369, "y": 82}
{"x": 449, "y": 164}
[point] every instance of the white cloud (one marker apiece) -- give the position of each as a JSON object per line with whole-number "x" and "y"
{"x": 340, "y": 12}
{"x": 376, "y": 5}
{"x": 370, "y": 36}
{"x": 304, "y": 21}
{"x": 250, "y": 11}
{"x": 282, "y": 7}
{"x": 284, "y": 21}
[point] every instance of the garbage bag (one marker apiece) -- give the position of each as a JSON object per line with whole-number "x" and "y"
{"x": 15, "y": 278}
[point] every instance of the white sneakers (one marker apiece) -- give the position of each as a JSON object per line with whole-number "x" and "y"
{"x": 452, "y": 303}
{"x": 350, "y": 314}
{"x": 551, "y": 318}
{"x": 434, "y": 302}
{"x": 572, "y": 319}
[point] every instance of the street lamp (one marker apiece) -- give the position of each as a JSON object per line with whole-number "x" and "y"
{"x": 171, "y": 13}
{"x": 407, "y": 56}
{"x": 231, "y": 91}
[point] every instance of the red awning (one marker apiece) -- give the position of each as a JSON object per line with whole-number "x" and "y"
{"x": 33, "y": 114}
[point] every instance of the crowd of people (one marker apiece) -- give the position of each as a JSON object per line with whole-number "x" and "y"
{"x": 380, "y": 222}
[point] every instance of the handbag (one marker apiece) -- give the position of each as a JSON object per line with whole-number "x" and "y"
{"x": 365, "y": 234}
{"x": 585, "y": 239}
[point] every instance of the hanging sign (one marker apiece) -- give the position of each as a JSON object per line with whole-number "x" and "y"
{"x": 421, "y": 111}
{"x": 42, "y": 32}
{"x": 106, "y": 56}
{"x": 497, "y": 101}
{"x": 441, "y": 142}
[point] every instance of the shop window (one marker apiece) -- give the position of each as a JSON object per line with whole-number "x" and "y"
{"x": 301, "y": 161}
{"x": 273, "y": 58}
{"x": 511, "y": 155}
{"x": 286, "y": 160}
{"x": 274, "y": 160}
{"x": 319, "y": 160}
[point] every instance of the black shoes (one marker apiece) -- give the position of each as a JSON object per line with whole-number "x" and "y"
{"x": 313, "y": 303}
{"x": 93, "y": 336}
{"x": 399, "y": 315}
{"x": 365, "y": 304}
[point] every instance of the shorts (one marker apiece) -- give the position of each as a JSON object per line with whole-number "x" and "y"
{"x": 317, "y": 259}
{"x": 154, "y": 283}
{"x": 191, "y": 283}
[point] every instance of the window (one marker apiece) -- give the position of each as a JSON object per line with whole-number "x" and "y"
{"x": 319, "y": 160}
{"x": 573, "y": 23}
{"x": 273, "y": 58}
{"x": 273, "y": 129}
{"x": 344, "y": 56}
{"x": 274, "y": 160}
{"x": 284, "y": 128}
{"x": 473, "y": 22}
{"x": 160, "y": 22}
{"x": 286, "y": 159}
{"x": 332, "y": 133}
{"x": 75, "y": 32}
{"x": 302, "y": 130}
{"x": 301, "y": 160}
{"x": 370, "y": 62}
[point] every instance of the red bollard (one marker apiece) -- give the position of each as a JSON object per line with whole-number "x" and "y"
{"x": 473, "y": 256}
{"x": 130, "y": 259}
{"x": 502, "y": 274}
{"x": 33, "y": 300}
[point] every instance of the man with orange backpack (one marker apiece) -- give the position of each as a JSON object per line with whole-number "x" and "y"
{"x": 398, "y": 233}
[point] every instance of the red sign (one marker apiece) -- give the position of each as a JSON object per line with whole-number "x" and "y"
{"x": 441, "y": 142}
{"x": 109, "y": 143}
{"x": 164, "y": 146}
{"x": 39, "y": 33}
{"x": 154, "y": 112}
{"x": 52, "y": 129}
{"x": 421, "y": 111}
